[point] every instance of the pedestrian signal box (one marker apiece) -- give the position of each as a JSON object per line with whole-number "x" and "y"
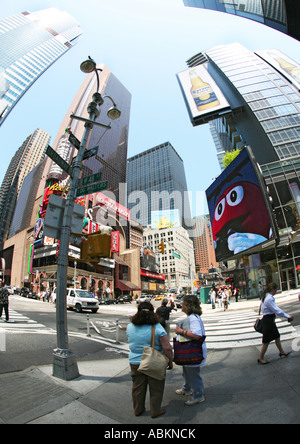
{"x": 97, "y": 245}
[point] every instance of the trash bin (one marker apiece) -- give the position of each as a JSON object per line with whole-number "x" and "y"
{"x": 204, "y": 295}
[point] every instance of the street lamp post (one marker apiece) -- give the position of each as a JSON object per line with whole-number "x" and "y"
{"x": 64, "y": 361}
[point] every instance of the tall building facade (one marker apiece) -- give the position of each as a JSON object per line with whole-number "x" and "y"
{"x": 179, "y": 269}
{"x": 156, "y": 181}
{"x": 26, "y": 244}
{"x": 283, "y": 15}
{"x": 30, "y": 42}
{"x": 28, "y": 156}
{"x": 205, "y": 257}
{"x": 112, "y": 144}
{"x": 262, "y": 89}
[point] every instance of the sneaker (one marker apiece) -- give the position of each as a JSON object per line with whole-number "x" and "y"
{"x": 182, "y": 392}
{"x": 195, "y": 401}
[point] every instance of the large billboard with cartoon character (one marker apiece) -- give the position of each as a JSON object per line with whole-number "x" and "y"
{"x": 240, "y": 209}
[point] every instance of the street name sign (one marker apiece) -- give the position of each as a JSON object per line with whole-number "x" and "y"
{"x": 176, "y": 255}
{"x": 90, "y": 189}
{"x": 74, "y": 141}
{"x": 90, "y": 153}
{"x": 58, "y": 160}
{"x": 89, "y": 179}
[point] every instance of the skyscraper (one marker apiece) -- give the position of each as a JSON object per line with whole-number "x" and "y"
{"x": 112, "y": 143}
{"x": 29, "y": 44}
{"x": 28, "y": 156}
{"x": 156, "y": 182}
{"x": 262, "y": 89}
{"x": 283, "y": 15}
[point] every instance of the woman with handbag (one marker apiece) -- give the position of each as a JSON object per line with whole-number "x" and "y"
{"x": 269, "y": 328}
{"x": 145, "y": 328}
{"x": 192, "y": 329}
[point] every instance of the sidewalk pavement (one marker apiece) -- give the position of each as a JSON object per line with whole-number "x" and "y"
{"x": 237, "y": 391}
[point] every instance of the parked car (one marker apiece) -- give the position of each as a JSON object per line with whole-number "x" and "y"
{"x": 79, "y": 300}
{"x": 108, "y": 301}
{"x": 9, "y": 289}
{"x": 124, "y": 299}
{"x": 32, "y": 295}
{"x": 25, "y": 292}
{"x": 143, "y": 298}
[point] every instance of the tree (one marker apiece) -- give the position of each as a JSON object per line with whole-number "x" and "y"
{"x": 230, "y": 156}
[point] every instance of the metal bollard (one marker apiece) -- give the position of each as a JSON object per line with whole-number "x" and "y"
{"x": 88, "y": 326}
{"x": 117, "y": 332}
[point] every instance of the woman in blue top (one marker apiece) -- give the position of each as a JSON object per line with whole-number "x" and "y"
{"x": 139, "y": 335}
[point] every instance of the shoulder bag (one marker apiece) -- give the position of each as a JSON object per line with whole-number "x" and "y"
{"x": 153, "y": 363}
{"x": 258, "y": 323}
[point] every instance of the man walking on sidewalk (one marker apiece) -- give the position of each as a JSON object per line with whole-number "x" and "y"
{"x": 4, "y": 301}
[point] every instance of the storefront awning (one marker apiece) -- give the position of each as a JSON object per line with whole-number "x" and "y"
{"x": 127, "y": 286}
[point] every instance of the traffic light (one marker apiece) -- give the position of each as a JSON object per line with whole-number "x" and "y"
{"x": 97, "y": 245}
{"x": 161, "y": 248}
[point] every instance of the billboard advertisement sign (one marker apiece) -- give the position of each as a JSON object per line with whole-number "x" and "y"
{"x": 240, "y": 209}
{"x": 165, "y": 219}
{"x": 202, "y": 95}
{"x": 286, "y": 66}
{"x": 149, "y": 260}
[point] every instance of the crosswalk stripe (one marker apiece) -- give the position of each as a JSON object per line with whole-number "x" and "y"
{"x": 20, "y": 323}
{"x": 225, "y": 330}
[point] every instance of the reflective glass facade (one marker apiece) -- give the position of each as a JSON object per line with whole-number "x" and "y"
{"x": 157, "y": 170}
{"x": 270, "y": 100}
{"x": 268, "y": 119}
{"x": 283, "y": 15}
{"x": 29, "y": 44}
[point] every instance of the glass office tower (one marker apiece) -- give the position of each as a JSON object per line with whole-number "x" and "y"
{"x": 29, "y": 44}
{"x": 156, "y": 181}
{"x": 283, "y": 15}
{"x": 263, "y": 90}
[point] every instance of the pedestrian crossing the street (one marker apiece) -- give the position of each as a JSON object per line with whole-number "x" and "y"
{"x": 225, "y": 330}
{"x": 18, "y": 323}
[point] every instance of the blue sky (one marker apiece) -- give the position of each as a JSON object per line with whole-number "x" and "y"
{"x": 145, "y": 43}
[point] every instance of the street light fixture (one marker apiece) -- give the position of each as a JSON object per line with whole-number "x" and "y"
{"x": 64, "y": 362}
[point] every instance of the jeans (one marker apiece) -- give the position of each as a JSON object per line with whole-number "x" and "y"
{"x": 193, "y": 381}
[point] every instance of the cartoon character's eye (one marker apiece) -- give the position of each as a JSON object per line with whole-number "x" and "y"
{"x": 235, "y": 196}
{"x": 220, "y": 209}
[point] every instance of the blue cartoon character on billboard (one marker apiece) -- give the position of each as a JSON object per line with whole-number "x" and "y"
{"x": 238, "y": 208}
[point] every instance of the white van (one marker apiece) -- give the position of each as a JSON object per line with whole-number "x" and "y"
{"x": 80, "y": 300}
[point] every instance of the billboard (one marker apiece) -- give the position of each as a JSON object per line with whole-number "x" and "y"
{"x": 240, "y": 209}
{"x": 202, "y": 95}
{"x": 149, "y": 260}
{"x": 165, "y": 219}
{"x": 286, "y": 66}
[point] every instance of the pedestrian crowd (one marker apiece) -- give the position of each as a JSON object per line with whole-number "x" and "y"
{"x": 221, "y": 296}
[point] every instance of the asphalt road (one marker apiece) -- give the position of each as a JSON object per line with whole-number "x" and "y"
{"x": 31, "y": 342}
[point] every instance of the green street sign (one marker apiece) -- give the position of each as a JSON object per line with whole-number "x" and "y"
{"x": 176, "y": 255}
{"x": 89, "y": 180}
{"x": 58, "y": 160}
{"x": 90, "y": 189}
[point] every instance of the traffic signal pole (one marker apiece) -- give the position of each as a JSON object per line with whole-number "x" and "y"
{"x": 64, "y": 361}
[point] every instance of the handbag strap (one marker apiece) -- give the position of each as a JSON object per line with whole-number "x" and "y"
{"x": 153, "y": 337}
{"x": 260, "y": 309}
